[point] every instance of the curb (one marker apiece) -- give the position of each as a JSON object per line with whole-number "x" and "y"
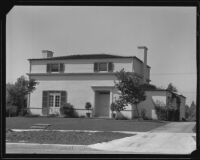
{"x": 25, "y": 130}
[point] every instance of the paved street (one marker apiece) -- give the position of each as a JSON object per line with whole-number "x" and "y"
{"x": 173, "y": 138}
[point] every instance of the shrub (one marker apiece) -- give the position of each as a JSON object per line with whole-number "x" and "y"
{"x": 11, "y": 110}
{"x": 120, "y": 116}
{"x": 53, "y": 115}
{"x": 143, "y": 113}
{"x": 88, "y": 105}
{"x": 32, "y": 115}
{"x": 161, "y": 112}
{"x": 68, "y": 111}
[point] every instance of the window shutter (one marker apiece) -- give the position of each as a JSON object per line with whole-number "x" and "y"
{"x": 62, "y": 67}
{"x": 95, "y": 67}
{"x": 63, "y": 97}
{"x": 48, "y": 68}
{"x": 110, "y": 67}
{"x": 45, "y": 104}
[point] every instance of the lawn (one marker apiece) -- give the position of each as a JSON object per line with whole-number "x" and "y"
{"x": 83, "y": 124}
{"x": 56, "y": 137}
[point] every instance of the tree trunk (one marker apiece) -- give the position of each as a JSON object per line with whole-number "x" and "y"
{"x": 137, "y": 111}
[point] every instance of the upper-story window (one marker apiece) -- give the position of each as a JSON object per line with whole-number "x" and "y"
{"x": 103, "y": 67}
{"x": 55, "y": 67}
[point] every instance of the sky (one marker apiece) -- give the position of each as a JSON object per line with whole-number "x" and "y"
{"x": 168, "y": 32}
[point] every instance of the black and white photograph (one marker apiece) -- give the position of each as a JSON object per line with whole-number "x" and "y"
{"x": 101, "y": 80}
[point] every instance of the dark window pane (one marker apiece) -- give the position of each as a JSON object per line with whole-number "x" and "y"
{"x": 54, "y": 67}
{"x": 103, "y": 67}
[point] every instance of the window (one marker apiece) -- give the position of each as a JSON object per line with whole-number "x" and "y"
{"x": 57, "y": 100}
{"x": 103, "y": 66}
{"x": 54, "y": 98}
{"x": 55, "y": 67}
{"x": 51, "y": 99}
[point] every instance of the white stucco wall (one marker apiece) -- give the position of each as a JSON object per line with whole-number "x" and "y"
{"x": 148, "y": 104}
{"x": 79, "y": 90}
{"x": 40, "y": 68}
{"x": 82, "y": 66}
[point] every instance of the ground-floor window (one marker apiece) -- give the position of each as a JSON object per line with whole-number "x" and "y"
{"x": 53, "y": 100}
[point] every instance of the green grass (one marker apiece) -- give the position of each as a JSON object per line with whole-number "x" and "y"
{"x": 83, "y": 124}
{"x": 56, "y": 137}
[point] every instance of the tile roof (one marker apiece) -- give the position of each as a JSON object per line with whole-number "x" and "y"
{"x": 85, "y": 56}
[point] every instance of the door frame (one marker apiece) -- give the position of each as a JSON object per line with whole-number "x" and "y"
{"x": 99, "y": 89}
{"x": 54, "y": 108}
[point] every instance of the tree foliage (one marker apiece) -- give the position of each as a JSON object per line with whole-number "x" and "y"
{"x": 171, "y": 88}
{"x": 132, "y": 91}
{"x": 16, "y": 94}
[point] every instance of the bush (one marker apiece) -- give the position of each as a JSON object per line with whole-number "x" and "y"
{"x": 32, "y": 115}
{"x": 11, "y": 110}
{"x": 143, "y": 113}
{"x": 67, "y": 110}
{"x": 120, "y": 116}
{"x": 53, "y": 115}
{"x": 88, "y": 106}
{"x": 161, "y": 112}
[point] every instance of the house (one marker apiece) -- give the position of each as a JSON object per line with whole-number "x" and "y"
{"x": 78, "y": 79}
{"x": 166, "y": 100}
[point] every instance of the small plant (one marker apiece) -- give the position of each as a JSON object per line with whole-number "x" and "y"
{"x": 113, "y": 108}
{"x": 88, "y": 107}
{"x": 143, "y": 114}
{"x": 68, "y": 111}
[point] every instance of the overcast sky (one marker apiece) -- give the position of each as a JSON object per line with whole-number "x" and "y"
{"x": 168, "y": 32}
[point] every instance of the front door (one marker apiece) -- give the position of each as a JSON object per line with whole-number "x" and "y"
{"x": 54, "y": 103}
{"x": 102, "y": 106}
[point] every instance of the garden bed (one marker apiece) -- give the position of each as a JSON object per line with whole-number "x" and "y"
{"x": 57, "y": 137}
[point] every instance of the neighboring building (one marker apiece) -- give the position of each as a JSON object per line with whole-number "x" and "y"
{"x": 78, "y": 79}
{"x": 165, "y": 99}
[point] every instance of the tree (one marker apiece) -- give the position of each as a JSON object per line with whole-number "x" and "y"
{"x": 171, "y": 88}
{"x": 192, "y": 112}
{"x": 17, "y": 93}
{"x": 187, "y": 111}
{"x": 132, "y": 91}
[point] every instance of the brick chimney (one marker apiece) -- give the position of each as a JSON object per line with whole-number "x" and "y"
{"x": 144, "y": 62}
{"x": 47, "y": 54}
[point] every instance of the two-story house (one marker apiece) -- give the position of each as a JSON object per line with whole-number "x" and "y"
{"x": 78, "y": 79}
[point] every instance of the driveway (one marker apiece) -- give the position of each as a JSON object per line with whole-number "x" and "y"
{"x": 173, "y": 138}
{"x": 176, "y": 127}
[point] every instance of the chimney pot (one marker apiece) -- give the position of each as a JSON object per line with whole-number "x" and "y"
{"x": 47, "y": 54}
